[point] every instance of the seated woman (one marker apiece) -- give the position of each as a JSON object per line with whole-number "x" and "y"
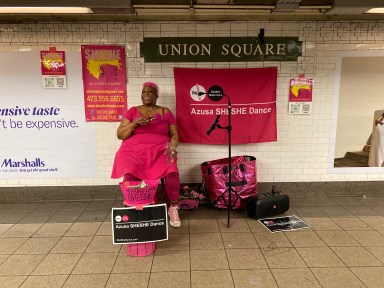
{"x": 148, "y": 150}
{"x": 376, "y": 152}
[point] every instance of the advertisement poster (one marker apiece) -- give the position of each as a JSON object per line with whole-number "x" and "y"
{"x": 53, "y": 68}
{"x": 43, "y": 131}
{"x": 251, "y": 93}
{"x": 137, "y": 226}
{"x": 300, "y": 95}
{"x": 104, "y": 80}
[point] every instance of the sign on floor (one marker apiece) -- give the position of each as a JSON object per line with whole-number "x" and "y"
{"x": 286, "y": 223}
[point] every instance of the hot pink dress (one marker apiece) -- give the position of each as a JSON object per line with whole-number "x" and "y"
{"x": 142, "y": 153}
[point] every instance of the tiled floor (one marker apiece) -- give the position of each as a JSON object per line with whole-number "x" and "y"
{"x": 69, "y": 244}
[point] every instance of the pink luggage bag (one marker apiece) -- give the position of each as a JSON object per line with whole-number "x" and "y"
{"x": 243, "y": 181}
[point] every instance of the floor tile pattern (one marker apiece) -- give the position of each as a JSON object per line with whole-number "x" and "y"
{"x": 69, "y": 244}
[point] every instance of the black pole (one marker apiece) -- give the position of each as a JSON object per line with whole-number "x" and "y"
{"x": 229, "y": 128}
{"x": 218, "y": 91}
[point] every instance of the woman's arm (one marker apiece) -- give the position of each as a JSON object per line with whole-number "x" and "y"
{"x": 170, "y": 150}
{"x": 174, "y": 136}
{"x": 125, "y": 129}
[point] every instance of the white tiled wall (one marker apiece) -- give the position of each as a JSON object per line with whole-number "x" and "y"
{"x": 301, "y": 152}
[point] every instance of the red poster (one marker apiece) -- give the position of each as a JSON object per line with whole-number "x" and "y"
{"x": 53, "y": 68}
{"x": 300, "y": 95}
{"x": 300, "y": 89}
{"x": 252, "y": 95}
{"x": 104, "y": 81}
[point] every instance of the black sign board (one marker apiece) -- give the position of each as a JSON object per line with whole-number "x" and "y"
{"x": 138, "y": 226}
{"x": 287, "y": 223}
{"x": 220, "y": 49}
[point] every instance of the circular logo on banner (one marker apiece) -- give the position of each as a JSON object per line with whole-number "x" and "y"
{"x": 118, "y": 218}
{"x": 215, "y": 93}
{"x": 125, "y": 218}
{"x": 197, "y": 92}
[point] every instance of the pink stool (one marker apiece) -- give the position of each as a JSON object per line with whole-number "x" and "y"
{"x": 147, "y": 248}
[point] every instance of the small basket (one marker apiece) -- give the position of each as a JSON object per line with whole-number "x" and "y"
{"x": 139, "y": 193}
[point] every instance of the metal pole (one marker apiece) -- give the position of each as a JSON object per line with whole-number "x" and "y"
{"x": 229, "y": 128}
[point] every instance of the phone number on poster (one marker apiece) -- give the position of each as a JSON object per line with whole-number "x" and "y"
{"x": 104, "y": 98}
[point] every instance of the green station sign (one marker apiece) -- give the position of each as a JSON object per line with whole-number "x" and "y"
{"x": 220, "y": 49}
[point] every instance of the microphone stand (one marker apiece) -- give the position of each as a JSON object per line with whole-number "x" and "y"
{"x": 229, "y": 184}
{"x": 229, "y": 129}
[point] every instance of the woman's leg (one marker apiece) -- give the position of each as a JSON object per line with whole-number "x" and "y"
{"x": 172, "y": 187}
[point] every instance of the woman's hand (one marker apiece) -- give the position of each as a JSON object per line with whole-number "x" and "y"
{"x": 141, "y": 121}
{"x": 170, "y": 151}
{"x": 171, "y": 154}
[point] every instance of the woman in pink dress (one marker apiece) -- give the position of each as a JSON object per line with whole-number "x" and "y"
{"x": 148, "y": 150}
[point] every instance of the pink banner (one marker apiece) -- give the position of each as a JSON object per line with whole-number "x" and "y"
{"x": 104, "y": 80}
{"x": 252, "y": 94}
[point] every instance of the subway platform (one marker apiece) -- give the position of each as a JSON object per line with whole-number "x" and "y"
{"x": 69, "y": 244}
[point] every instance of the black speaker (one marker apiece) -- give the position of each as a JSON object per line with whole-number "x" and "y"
{"x": 267, "y": 204}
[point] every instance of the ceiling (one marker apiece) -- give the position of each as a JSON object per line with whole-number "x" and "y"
{"x": 198, "y": 10}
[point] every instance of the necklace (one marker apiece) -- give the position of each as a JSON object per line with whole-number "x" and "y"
{"x": 148, "y": 111}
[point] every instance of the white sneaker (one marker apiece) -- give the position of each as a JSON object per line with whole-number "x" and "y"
{"x": 173, "y": 214}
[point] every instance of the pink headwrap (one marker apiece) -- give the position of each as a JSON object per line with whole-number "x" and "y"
{"x": 152, "y": 85}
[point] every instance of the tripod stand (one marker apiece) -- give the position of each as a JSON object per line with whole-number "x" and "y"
{"x": 229, "y": 183}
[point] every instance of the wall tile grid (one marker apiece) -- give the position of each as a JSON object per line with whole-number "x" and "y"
{"x": 301, "y": 152}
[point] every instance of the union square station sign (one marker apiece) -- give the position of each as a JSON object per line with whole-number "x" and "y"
{"x": 220, "y": 49}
